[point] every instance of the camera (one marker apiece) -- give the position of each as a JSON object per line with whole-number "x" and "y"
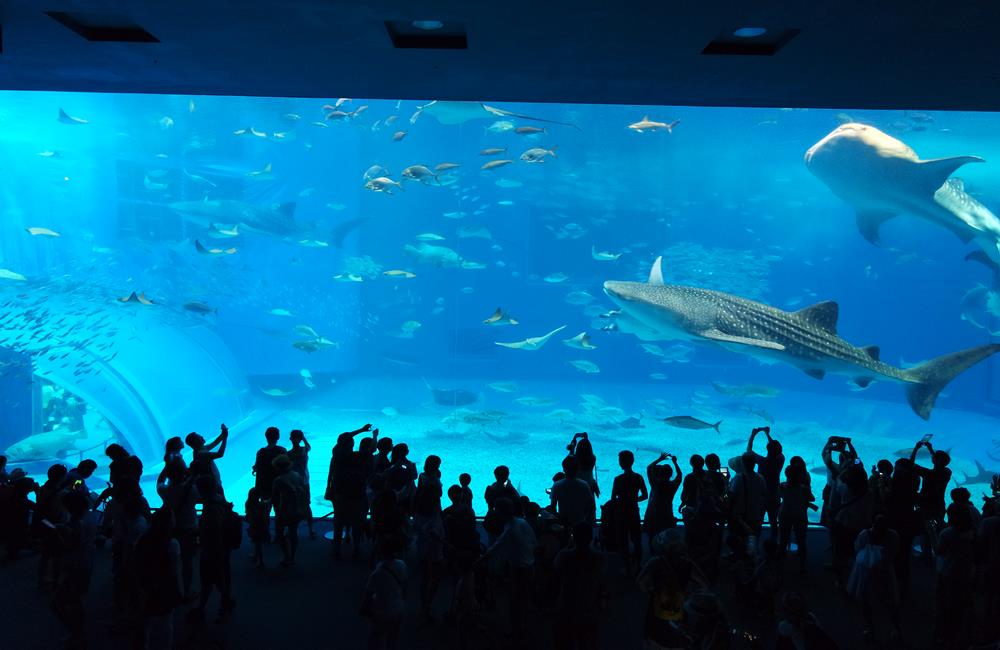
{"x": 838, "y": 443}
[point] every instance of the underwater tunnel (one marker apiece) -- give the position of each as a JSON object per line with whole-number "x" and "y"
{"x": 143, "y": 401}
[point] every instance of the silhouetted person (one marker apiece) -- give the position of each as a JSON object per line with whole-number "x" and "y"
{"x": 582, "y": 593}
{"x": 988, "y": 538}
{"x": 581, "y": 449}
{"x": 873, "y": 576}
{"x": 501, "y": 488}
{"x": 157, "y": 573}
{"x": 179, "y": 494}
{"x": 464, "y": 481}
{"x": 933, "y": 486}
{"x": 49, "y": 508}
{"x": 956, "y": 577}
{"x": 852, "y": 513}
{"x": 204, "y": 456}
{"x": 384, "y": 598}
{"x": 665, "y": 578}
{"x": 793, "y": 515}
{"x": 514, "y": 552}
{"x": 214, "y": 567}
{"x": 664, "y": 482}
{"x": 172, "y": 452}
{"x": 4, "y": 477}
{"x": 76, "y": 479}
{"x": 288, "y": 494}
{"x": 256, "y": 511}
{"x": 76, "y": 544}
{"x": 263, "y": 469}
{"x": 769, "y": 467}
{"x": 429, "y": 528}
{"x": 299, "y": 455}
{"x": 747, "y": 502}
{"x": 798, "y": 628}
{"x": 628, "y": 491}
{"x": 902, "y": 515}
{"x": 880, "y": 485}
{"x": 383, "y": 450}
{"x": 572, "y": 498}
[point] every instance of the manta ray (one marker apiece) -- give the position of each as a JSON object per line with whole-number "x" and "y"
{"x": 531, "y": 343}
{"x": 806, "y": 339}
{"x": 447, "y": 112}
{"x": 881, "y": 177}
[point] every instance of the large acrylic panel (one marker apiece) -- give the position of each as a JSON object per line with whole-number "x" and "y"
{"x": 319, "y": 265}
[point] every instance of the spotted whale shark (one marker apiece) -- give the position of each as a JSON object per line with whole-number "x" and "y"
{"x": 881, "y": 178}
{"x": 806, "y": 339}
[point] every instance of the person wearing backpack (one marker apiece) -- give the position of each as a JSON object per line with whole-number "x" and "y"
{"x": 216, "y": 534}
{"x": 873, "y": 576}
{"x": 291, "y": 501}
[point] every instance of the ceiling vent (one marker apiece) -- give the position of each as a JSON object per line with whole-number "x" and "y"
{"x": 750, "y": 41}
{"x": 103, "y": 28}
{"x": 427, "y": 34}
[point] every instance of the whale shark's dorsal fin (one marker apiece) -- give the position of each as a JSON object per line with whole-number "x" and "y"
{"x": 822, "y": 314}
{"x": 872, "y": 350}
{"x": 655, "y": 272}
{"x": 933, "y": 173}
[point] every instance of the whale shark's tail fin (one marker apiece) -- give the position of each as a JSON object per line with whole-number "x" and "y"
{"x": 930, "y": 377}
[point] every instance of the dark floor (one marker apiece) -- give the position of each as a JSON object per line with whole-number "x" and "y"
{"x": 314, "y": 605}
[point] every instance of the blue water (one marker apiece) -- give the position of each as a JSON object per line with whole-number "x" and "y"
{"x": 725, "y": 199}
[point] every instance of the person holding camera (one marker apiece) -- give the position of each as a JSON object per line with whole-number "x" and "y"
{"x": 769, "y": 467}
{"x": 933, "y": 485}
{"x": 581, "y": 449}
{"x": 664, "y": 482}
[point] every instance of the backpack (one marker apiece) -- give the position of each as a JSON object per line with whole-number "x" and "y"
{"x": 232, "y": 529}
{"x": 291, "y": 501}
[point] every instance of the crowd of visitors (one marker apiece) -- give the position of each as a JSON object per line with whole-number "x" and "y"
{"x": 700, "y": 523}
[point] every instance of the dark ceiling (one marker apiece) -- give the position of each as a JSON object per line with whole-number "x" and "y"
{"x": 850, "y": 54}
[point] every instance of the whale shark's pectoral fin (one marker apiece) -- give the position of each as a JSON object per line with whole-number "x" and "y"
{"x": 722, "y": 337}
{"x": 933, "y": 173}
{"x": 815, "y": 373}
{"x": 863, "y": 382}
{"x": 869, "y": 222}
{"x": 983, "y": 258}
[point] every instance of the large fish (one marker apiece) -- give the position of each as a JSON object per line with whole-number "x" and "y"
{"x": 460, "y": 112}
{"x": 452, "y": 396}
{"x": 278, "y": 220}
{"x": 806, "y": 338}
{"x": 49, "y": 445}
{"x": 882, "y": 177}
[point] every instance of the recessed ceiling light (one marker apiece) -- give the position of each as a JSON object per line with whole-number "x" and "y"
{"x": 749, "y": 32}
{"x": 427, "y": 25}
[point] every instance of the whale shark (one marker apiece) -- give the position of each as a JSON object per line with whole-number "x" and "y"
{"x": 806, "y": 339}
{"x": 881, "y": 177}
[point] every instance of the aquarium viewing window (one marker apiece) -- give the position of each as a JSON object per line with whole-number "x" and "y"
{"x": 484, "y": 280}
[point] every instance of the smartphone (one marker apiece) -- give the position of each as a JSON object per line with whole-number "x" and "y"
{"x": 77, "y": 483}
{"x": 48, "y": 524}
{"x": 927, "y": 438}
{"x": 724, "y": 471}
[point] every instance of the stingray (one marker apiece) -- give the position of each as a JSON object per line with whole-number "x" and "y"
{"x": 452, "y": 396}
{"x": 447, "y": 112}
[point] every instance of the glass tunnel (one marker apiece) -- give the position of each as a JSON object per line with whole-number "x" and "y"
{"x": 481, "y": 280}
